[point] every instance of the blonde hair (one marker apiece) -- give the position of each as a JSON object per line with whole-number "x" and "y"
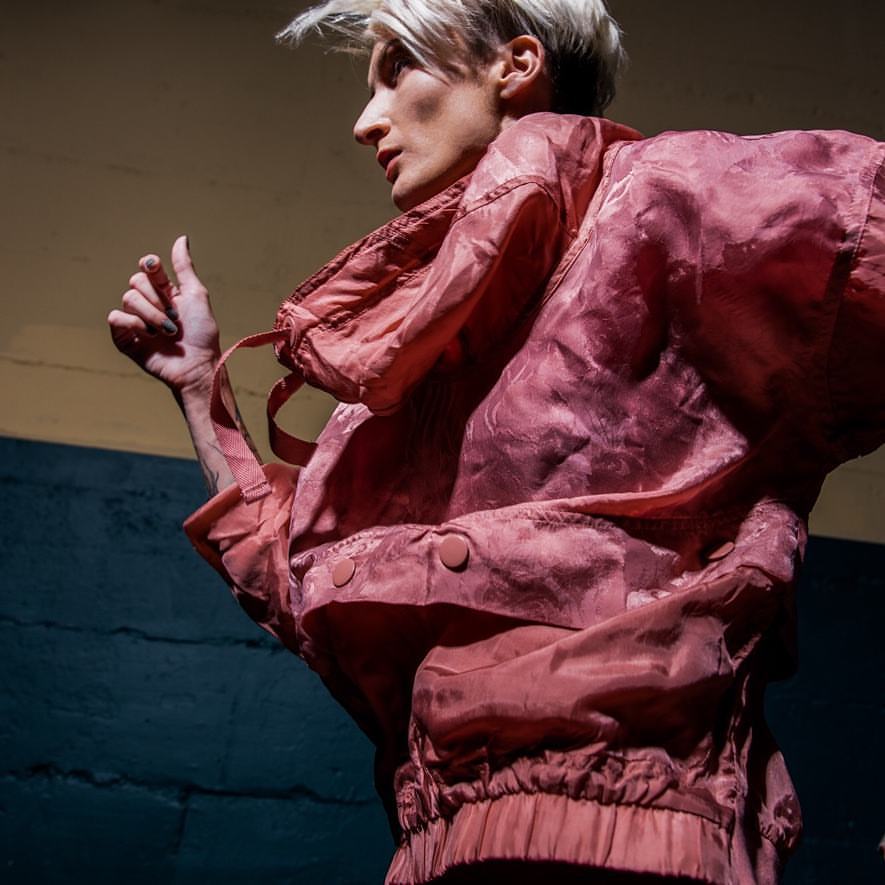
{"x": 581, "y": 39}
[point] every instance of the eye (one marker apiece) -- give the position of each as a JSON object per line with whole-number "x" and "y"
{"x": 397, "y": 66}
{"x": 397, "y": 62}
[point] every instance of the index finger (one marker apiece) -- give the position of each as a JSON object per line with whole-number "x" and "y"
{"x": 153, "y": 267}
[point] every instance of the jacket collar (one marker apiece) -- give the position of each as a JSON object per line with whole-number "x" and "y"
{"x": 334, "y": 319}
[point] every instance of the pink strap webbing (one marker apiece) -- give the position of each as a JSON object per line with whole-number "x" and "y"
{"x": 245, "y": 467}
{"x": 284, "y": 445}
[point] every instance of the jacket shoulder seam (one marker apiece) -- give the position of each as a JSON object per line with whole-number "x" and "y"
{"x": 504, "y": 188}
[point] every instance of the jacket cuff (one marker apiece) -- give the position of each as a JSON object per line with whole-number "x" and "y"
{"x": 247, "y": 544}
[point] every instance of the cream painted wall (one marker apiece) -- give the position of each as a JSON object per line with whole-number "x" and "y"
{"x": 125, "y": 124}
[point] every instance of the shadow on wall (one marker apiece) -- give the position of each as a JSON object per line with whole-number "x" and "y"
{"x": 150, "y": 732}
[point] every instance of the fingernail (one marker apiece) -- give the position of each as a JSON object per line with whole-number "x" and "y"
{"x": 169, "y": 327}
{"x": 151, "y": 330}
{"x": 149, "y": 263}
{"x": 172, "y": 313}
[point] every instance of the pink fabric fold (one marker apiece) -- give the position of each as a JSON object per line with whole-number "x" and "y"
{"x": 545, "y": 553}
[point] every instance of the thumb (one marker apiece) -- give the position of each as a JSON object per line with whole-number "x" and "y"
{"x": 183, "y": 265}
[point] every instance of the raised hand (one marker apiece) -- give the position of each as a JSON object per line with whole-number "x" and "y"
{"x": 168, "y": 329}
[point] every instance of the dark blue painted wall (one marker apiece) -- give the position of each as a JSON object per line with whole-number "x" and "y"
{"x": 150, "y": 733}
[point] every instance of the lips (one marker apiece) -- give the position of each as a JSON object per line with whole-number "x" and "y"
{"x": 387, "y": 158}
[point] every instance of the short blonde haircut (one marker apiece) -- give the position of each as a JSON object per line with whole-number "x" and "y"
{"x": 581, "y": 39}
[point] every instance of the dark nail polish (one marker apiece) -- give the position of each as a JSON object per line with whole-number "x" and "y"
{"x": 172, "y": 313}
{"x": 149, "y": 263}
{"x": 151, "y": 330}
{"x": 169, "y": 327}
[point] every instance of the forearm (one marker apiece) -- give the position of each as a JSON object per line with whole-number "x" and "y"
{"x": 194, "y": 404}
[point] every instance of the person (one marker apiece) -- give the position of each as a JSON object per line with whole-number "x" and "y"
{"x": 544, "y": 550}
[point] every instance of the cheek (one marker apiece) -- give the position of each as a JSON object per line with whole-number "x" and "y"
{"x": 428, "y": 107}
{"x": 451, "y": 124}
{"x": 473, "y": 121}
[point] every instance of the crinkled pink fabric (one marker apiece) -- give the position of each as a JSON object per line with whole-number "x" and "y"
{"x": 545, "y": 555}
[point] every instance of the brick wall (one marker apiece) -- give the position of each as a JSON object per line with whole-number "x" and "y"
{"x": 150, "y": 733}
{"x": 148, "y": 730}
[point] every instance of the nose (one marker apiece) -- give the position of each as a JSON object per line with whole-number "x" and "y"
{"x": 372, "y": 124}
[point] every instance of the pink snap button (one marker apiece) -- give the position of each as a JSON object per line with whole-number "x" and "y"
{"x": 343, "y": 572}
{"x": 454, "y": 552}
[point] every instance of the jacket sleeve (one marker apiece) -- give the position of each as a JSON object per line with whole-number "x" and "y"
{"x": 768, "y": 260}
{"x": 856, "y": 364}
{"x": 247, "y": 544}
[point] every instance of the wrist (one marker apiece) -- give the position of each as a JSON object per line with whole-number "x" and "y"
{"x": 197, "y": 390}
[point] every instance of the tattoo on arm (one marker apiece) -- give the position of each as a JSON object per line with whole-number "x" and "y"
{"x": 213, "y": 465}
{"x": 227, "y": 394}
{"x": 212, "y": 479}
{"x": 211, "y": 476}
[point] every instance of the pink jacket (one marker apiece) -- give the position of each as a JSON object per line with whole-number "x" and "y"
{"x": 545, "y": 555}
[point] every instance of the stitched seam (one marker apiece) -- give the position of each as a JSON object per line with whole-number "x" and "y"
{"x": 412, "y": 269}
{"x": 500, "y": 190}
{"x": 589, "y": 219}
{"x": 394, "y": 232}
{"x": 828, "y": 397}
{"x": 415, "y": 266}
{"x": 551, "y": 518}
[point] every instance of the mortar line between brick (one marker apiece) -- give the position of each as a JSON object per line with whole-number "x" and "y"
{"x": 36, "y": 363}
{"x": 184, "y": 802}
{"x": 180, "y": 792}
{"x": 134, "y": 633}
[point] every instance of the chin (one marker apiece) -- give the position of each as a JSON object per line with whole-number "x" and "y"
{"x": 404, "y": 198}
{"x": 411, "y": 199}
{"x": 408, "y": 194}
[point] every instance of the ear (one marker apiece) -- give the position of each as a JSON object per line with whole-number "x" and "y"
{"x": 523, "y": 71}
